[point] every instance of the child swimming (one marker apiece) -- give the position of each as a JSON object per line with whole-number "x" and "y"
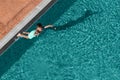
{"x": 34, "y": 33}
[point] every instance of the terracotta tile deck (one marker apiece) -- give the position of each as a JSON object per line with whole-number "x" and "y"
{"x": 12, "y": 12}
{"x": 17, "y": 16}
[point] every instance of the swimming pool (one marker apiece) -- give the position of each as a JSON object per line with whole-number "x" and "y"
{"x": 85, "y": 46}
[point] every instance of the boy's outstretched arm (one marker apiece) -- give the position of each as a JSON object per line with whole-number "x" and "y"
{"x": 50, "y": 27}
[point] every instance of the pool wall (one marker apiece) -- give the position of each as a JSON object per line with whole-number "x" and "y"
{"x": 10, "y": 38}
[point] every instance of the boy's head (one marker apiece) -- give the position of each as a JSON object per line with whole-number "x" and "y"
{"x": 39, "y": 27}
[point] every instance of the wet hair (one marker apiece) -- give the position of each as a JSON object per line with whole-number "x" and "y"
{"x": 40, "y": 25}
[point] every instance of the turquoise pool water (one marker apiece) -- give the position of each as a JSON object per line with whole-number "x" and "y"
{"x": 86, "y": 45}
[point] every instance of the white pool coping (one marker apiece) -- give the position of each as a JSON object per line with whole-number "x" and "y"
{"x": 24, "y": 22}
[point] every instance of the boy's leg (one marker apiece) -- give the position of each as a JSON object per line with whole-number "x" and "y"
{"x": 22, "y": 35}
{"x": 25, "y": 32}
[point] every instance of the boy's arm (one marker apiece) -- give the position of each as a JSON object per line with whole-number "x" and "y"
{"x": 48, "y": 26}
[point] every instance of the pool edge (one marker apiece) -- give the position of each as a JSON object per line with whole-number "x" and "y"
{"x": 27, "y": 26}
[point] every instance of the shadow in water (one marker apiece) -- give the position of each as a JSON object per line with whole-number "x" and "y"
{"x": 56, "y": 11}
{"x": 15, "y": 52}
{"x": 87, "y": 14}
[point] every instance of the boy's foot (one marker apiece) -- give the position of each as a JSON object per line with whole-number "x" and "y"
{"x": 18, "y": 35}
